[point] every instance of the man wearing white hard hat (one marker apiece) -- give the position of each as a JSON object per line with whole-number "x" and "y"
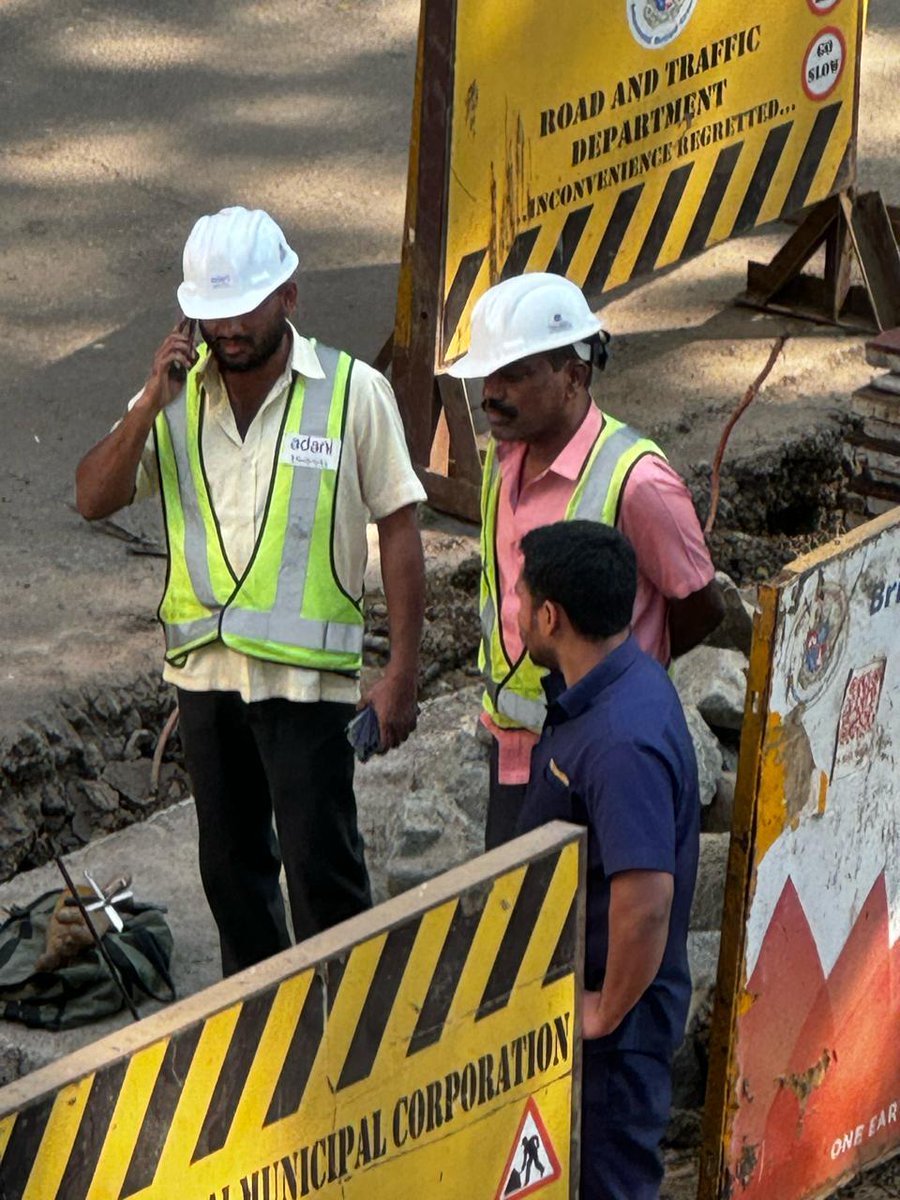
{"x": 270, "y": 454}
{"x": 555, "y": 456}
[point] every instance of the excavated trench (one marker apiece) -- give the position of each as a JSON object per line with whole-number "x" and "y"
{"x": 775, "y": 506}
{"x": 84, "y": 767}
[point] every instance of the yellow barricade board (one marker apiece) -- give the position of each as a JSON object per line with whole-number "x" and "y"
{"x": 804, "y": 1059}
{"x": 606, "y": 140}
{"x": 427, "y": 1048}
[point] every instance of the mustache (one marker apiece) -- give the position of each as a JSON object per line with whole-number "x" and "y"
{"x": 505, "y": 410}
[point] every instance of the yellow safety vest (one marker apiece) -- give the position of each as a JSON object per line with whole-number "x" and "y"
{"x": 288, "y": 605}
{"x": 514, "y": 697}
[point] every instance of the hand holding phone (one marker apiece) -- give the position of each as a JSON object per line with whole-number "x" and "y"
{"x": 177, "y": 370}
{"x": 363, "y": 734}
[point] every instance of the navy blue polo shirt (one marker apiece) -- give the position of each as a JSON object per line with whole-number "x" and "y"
{"x": 616, "y": 756}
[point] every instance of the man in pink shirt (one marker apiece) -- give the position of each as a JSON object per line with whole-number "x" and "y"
{"x": 554, "y": 456}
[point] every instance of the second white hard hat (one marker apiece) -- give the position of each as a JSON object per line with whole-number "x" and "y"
{"x": 233, "y": 260}
{"x": 521, "y": 316}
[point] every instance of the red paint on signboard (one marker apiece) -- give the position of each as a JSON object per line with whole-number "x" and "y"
{"x": 837, "y": 1105}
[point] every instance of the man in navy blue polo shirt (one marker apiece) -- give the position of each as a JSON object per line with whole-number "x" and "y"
{"x": 615, "y": 756}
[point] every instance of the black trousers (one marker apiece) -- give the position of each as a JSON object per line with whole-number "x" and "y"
{"x": 246, "y": 763}
{"x": 504, "y": 804}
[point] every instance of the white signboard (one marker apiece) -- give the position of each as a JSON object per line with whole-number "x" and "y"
{"x": 813, "y": 1077}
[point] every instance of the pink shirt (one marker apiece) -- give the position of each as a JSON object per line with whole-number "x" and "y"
{"x": 656, "y": 515}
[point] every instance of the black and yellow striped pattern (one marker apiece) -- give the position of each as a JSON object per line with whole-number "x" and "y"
{"x": 354, "y": 1046}
{"x": 667, "y": 217}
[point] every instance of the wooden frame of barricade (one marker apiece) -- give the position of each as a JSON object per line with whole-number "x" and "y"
{"x": 804, "y": 1070}
{"x": 531, "y": 152}
{"x": 404, "y": 1053}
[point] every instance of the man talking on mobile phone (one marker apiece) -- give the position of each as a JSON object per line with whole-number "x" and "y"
{"x": 270, "y": 454}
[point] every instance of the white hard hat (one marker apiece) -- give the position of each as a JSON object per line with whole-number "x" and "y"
{"x": 521, "y": 316}
{"x": 233, "y": 260}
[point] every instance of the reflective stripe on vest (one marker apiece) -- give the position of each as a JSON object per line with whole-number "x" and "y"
{"x": 514, "y": 697}
{"x": 288, "y": 606}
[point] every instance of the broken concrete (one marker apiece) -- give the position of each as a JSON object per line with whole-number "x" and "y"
{"x": 736, "y": 630}
{"x": 714, "y": 680}
{"x": 708, "y": 751}
{"x": 82, "y": 768}
{"x": 709, "y": 894}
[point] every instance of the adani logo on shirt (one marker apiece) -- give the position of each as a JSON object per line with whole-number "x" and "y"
{"x": 656, "y": 23}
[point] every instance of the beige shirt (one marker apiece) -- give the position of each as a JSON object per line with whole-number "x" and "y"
{"x": 376, "y": 479}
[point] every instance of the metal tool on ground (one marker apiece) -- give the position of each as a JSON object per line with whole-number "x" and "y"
{"x": 98, "y": 941}
{"x": 107, "y": 898}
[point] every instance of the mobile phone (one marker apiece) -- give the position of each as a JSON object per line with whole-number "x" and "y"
{"x": 364, "y": 735}
{"x": 176, "y": 370}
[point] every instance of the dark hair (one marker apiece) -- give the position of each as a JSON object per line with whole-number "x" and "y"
{"x": 597, "y": 342}
{"x": 588, "y": 569}
{"x": 562, "y": 355}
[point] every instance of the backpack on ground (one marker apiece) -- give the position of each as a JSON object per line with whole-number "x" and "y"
{"x": 82, "y": 990}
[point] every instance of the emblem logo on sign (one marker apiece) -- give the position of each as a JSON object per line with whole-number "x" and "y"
{"x": 656, "y": 23}
{"x": 819, "y": 636}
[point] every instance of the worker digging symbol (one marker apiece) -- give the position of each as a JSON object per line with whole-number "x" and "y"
{"x": 532, "y": 1161}
{"x": 530, "y": 1158}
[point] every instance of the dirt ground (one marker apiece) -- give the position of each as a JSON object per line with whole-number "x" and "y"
{"x": 123, "y": 122}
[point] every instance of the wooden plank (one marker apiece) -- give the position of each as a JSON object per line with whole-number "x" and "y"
{"x": 383, "y": 358}
{"x": 804, "y": 297}
{"x": 838, "y": 261}
{"x": 887, "y": 382}
{"x": 884, "y": 350}
{"x": 463, "y": 445}
{"x": 888, "y": 431}
{"x": 879, "y": 488}
{"x": 765, "y": 280}
{"x": 879, "y": 445}
{"x": 718, "y": 1111}
{"x": 420, "y": 288}
{"x": 877, "y": 254}
{"x": 877, "y": 465}
{"x": 459, "y": 497}
{"x": 872, "y": 402}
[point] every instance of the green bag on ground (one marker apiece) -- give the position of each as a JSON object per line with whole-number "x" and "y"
{"x": 82, "y": 990}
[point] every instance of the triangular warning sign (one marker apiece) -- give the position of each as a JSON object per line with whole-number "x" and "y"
{"x": 532, "y": 1161}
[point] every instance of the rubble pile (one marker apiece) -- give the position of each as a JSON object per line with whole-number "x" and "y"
{"x": 777, "y": 505}
{"x": 84, "y": 769}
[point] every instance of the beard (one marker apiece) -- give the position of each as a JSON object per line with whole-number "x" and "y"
{"x": 543, "y": 656}
{"x": 255, "y": 352}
